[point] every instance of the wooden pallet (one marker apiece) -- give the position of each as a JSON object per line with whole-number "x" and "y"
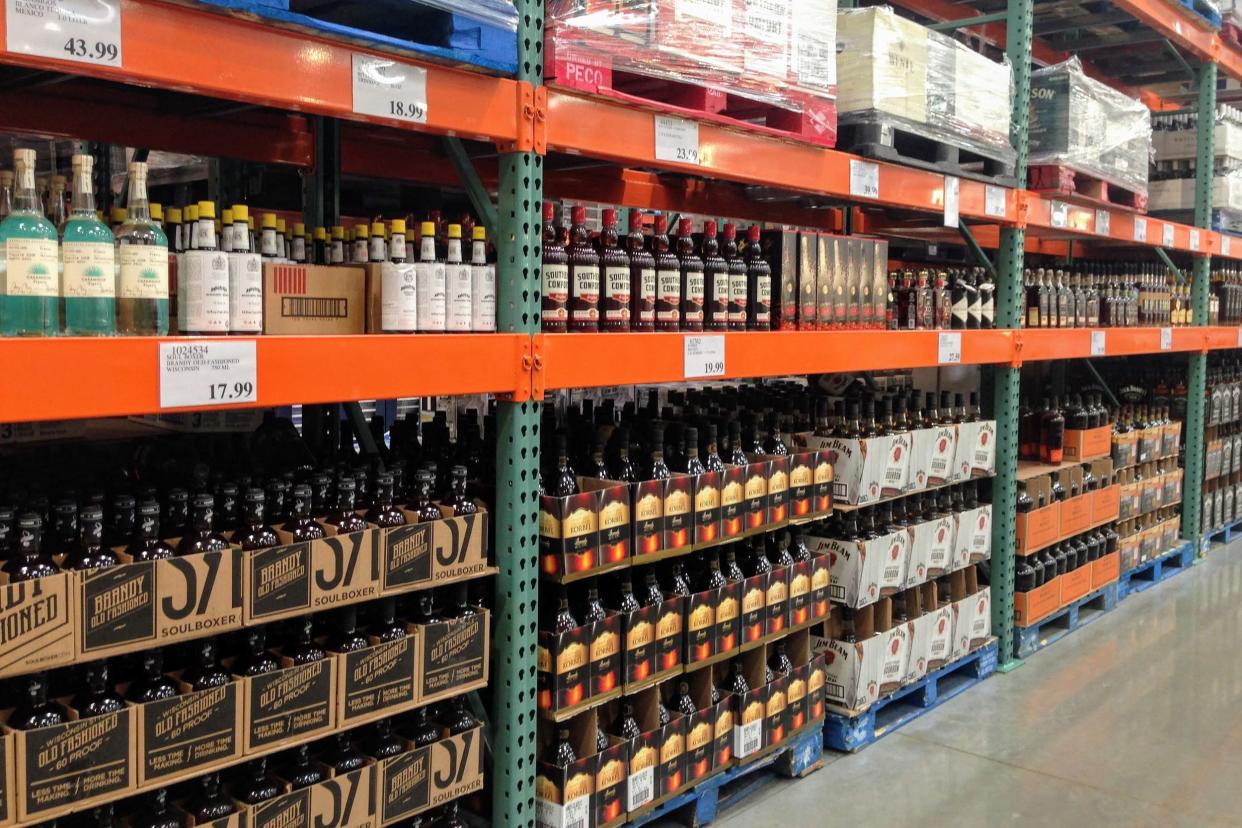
{"x": 1146, "y": 575}
{"x": 890, "y": 139}
{"x": 1049, "y": 630}
{"x": 1231, "y": 34}
{"x": 1083, "y": 188}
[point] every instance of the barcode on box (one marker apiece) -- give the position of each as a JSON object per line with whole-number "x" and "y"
{"x": 839, "y": 489}
{"x": 640, "y": 789}
{"x": 747, "y": 739}
{"x": 303, "y": 307}
{"x": 835, "y": 691}
{"x": 576, "y": 814}
{"x": 836, "y": 592}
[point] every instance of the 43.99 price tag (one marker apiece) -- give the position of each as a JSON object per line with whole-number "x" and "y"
{"x": 704, "y": 356}
{"x": 86, "y": 31}
{"x": 203, "y": 373}
{"x": 388, "y": 88}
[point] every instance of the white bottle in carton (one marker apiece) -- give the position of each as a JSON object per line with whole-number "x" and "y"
{"x": 205, "y": 280}
{"x": 482, "y": 285}
{"x": 245, "y": 277}
{"x": 457, "y": 277}
{"x": 432, "y": 290}
{"x": 398, "y": 287}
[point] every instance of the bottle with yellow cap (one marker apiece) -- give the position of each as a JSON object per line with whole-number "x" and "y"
{"x": 56, "y": 212}
{"x": 172, "y": 229}
{"x": 362, "y": 244}
{"x": 457, "y": 278}
{"x": 282, "y": 241}
{"x": 398, "y": 287}
{"x": 319, "y": 247}
{"x": 117, "y": 216}
{"x": 88, "y": 255}
{"x": 267, "y": 238}
{"x": 225, "y": 228}
{"x": 157, "y": 213}
{"x": 204, "y": 281}
{"x": 29, "y": 260}
{"x": 377, "y": 250}
{"x": 338, "y": 245}
{"x": 245, "y": 278}
{"x": 299, "y": 243}
{"x": 143, "y": 263}
{"x": 482, "y": 284}
{"x": 430, "y": 279}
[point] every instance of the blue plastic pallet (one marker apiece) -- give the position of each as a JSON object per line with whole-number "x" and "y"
{"x": 1223, "y": 534}
{"x": 1145, "y": 576}
{"x": 1029, "y": 640}
{"x": 1205, "y": 11}
{"x": 707, "y": 799}
{"x": 853, "y": 733}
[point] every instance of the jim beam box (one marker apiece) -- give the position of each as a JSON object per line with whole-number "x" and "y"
{"x": 756, "y": 493}
{"x": 452, "y": 656}
{"x": 776, "y": 601}
{"x": 863, "y": 571}
{"x": 36, "y": 625}
{"x": 432, "y": 553}
{"x": 733, "y": 501}
{"x": 700, "y": 626}
{"x": 920, "y": 627}
{"x": 189, "y": 733}
{"x": 975, "y": 454}
{"x": 932, "y": 454}
{"x": 706, "y": 488}
{"x": 973, "y": 534}
{"x": 345, "y": 800}
{"x": 134, "y": 606}
{"x": 858, "y": 467}
{"x": 428, "y": 777}
{"x": 751, "y": 709}
{"x": 298, "y": 578}
{"x": 605, "y": 651}
{"x": 896, "y": 465}
{"x": 584, "y": 531}
{"x": 729, "y": 617}
{"x": 376, "y": 681}
{"x": 852, "y": 668}
{"x": 931, "y": 550}
{"x": 563, "y": 795}
{"x": 292, "y": 703}
{"x": 66, "y": 767}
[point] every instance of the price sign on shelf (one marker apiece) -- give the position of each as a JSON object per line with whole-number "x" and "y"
{"x": 1103, "y": 222}
{"x": 676, "y": 139}
{"x": 1240, "y": 337}
{"x": 1166, "y": 238}
{"x": 1098, "y": 343}
{"x": 1224, "y": 245}
{"x": 949, "y": 349}
{"x": 994, "y": 200}
{"x": 1194, "y": 239}
{"x": 1140, "y": 230}
{"x": 387, "y": 88}
{"x": 1166, "y": 339}
{"x": 86, "y": 31}
{"x": 864, "y": 179}
{"x": 1058, "y": 213}
{"x": 204, "y": 373}
{"x": 952, "y": 198}
{"x": 704, "y": 356}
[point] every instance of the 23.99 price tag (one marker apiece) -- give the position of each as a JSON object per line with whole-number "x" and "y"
{"x": 201, "y": 373}
{"x": 949, "y": 349}
{"x": 864, "y": 179}
{"x": 704, "y": 356}
{"x": 388, "y": 88}
{"x": 86, "y": 31}
{"x": 676, "y": 139}
{"x": 994, "y": 201}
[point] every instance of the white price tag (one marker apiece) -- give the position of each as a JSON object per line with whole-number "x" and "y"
{"x": 86, "y": 31}
{"x": 676, "y": 139}
{"x": 205, "y": 373}
{"x": 387, "y": 88}
{"x": 1194, "y": 239}
{"x": 994, "y": 200}
{"x": 1103, "y": 222}
{"x": 704, "y": 356}
{"x": 1240, "y": 337}
{"x": 1098, "y": 341}
{"x": 952, "y": 198}
{"x": 1059, "y": 213}
{"x": 949, "y": 349}
{"x": 864, "y": 179}
{"x": 1140, "y": 230}
{"x": 1166, "y": 339}
{"x": 1224, "y": 245}
{"x": 1166, "y": 239}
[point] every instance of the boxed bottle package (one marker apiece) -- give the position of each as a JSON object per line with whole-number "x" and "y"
{"x": 314, "y": 299}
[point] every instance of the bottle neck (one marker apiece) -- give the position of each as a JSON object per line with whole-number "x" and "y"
{"x": 205, "y": 234}
{"x": 478, "y": 253}
{"x": 25, "y": 197}
{"x": 83, "y": 203}
{"x": 454, "y": 250}
{"x": 427, "y": 249}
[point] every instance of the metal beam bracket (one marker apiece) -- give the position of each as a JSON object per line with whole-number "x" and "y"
{"x": 532, "y": 117}
{"x": 967, "y": 22}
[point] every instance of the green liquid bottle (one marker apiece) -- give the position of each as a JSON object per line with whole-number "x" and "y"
{"x": 29, "y": 260}
{"x": 88, "y": 251}
{"x": 142, "y": 249}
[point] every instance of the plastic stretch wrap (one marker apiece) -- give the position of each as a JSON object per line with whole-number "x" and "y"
{"x": 497, "y": 12}
{"x": 780, "y": 52}
{"x": 895, "y": 71}
{"x": 1080, "y": 123}
{"x": 1177, "y": 191}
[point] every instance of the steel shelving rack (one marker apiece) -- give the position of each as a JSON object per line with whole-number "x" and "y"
{"x": 296, "y": 89}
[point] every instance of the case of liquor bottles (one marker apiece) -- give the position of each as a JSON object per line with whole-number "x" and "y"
{"x": 1078, "y": 122}
{"x": 41, "y": 614}
{"x": 425, "y": 777}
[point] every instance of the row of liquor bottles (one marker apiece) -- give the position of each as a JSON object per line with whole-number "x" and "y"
{"x": 1034, "y": 570}
{"x": 1105, "y": 294}
{"x": 1224, "y": 391}
{"x": 1041, "y": 429}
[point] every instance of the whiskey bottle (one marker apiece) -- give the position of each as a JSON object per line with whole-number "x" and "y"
{"x": 343, "y": 517}
{"x": 35, "y": 710}
{"x": 206, "y": 672}
{"x": 692, "y": 280}
{"x": 201, "y": 538}
{"x": 90, "y": 552}
{"x": 383, "y": 513}
{"x": 151, "y": 684}
{"x": 456, "y": 499}
{"x": 255, "y": 660}
{"x": 614, "y": 266}
{"x": 758, "y": 283}
{"x": 457, "y": 718}
{"x": 584, "y": 285}
{"x": 254, "y": 785}
{"x": 155, "y": 813}
{"x": 29, "y": 299}
{"x": 303, "y": 649}
{"x": 208, "y": 803}
{"x": 668, "y": 279}
{"x": 974, "y": 308}
{"x": 203, "y": 280}
{"x": 642, "y": 276}
{"x": 255, "y": 533}
{"x": 421, "y": 504}
{"x": 98, "y": 698}
{"x": 29, "y": 562}
{"x": 593, "y": 610}
{"x": 458, "y": 279}
{"x": 302, "y": 527}
{"x": 431, "y": 284}
{"x": 561, "y": 753}
{"x": 245, "y": 278}
{"x": 716, "y": 281}
{"x": 88, "y": 256}
{"x": 626, "y": 602}
{"x": 554, "y": 294}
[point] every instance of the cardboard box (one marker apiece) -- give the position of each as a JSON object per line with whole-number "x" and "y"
{"x": 972, "y": 616}
{"x": 750, "y": 712}
{"x": 975, "y": 450}
{"x": 344, "y": 800}
{"x": 932, "y": 454}
{"x": 973, "y": 534}
{"x": 289, "y": 705}
{"x": 189, "y": 734}
{"x": 880, "y": 52}
{"x": 8, "y": 773}
{"x": 453, "y": 656}
{"x": 432, "y": 553}
{"x": 858, "y": 466}
{"x": 663, "y": 514}
{"x": 298, "y": 578}
{"x": 425, "y": 778}
{"x": 1033, "y": 606}
{"x": 563, "y": 796}
{"x": 134, "y": 606}
{"x": 38, "y": 620}
{"x": 377, "y": 681}
{"x": 831, "y": 284}
{"x": 314, "y": 300}
{"x": 809, "y": 269}
{"x": 586, "y": 530}
{"x": 1105, "y": 504}
{"x": 1075, "y": 584}
{"x": 1076, "y": 514}
{"x": 706, "y": 488}
{"x": 1088, "y": 444}
{"x": 862, "y": 572}
{"x": 787, "y": 252}
{"x": 852, "y": 668}
{"x": 702, "y": 726}
{"x": 1125, "y": 449}
{"x": 1039, "y": 527}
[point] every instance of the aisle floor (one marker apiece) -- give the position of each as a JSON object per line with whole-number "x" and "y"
{"x": 1134, "y": 720}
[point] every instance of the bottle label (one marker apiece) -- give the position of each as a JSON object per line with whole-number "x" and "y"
{"x": 299, "y": 249}
{"x": 555, "y": 292}
{"x": 668, "y": 295}
{"x": 959, "y": 310}
{"x": 376, "y": 252}
{"x": 692, "y": 302}
{"x": 398, "y": 298}
{"x": 988, "y": 314}
{"x": 457, "y": 277}
{"x": 32, "y": 269}
{"x": 204, "y": 281}
{"x": 432, "y": 293}
{"x": 90, "y": 270}
{"x": 584, "y": 282}
{"x": 268, "y": 246}
{"x": 245, "y": 293}
{"x": 360, "y": 250}
{"x": 338, "y": 252}
{"x": 720, "y": 297}
{"x": 737, "y": 297}
{"x": 617, "y": 287}
{"x": 647, "y": 294}
{"x": 763, "y": 300}
{"x": 144, "y": 272}
{"x": 483, "y": 297}
{"x": 226, "y": 237}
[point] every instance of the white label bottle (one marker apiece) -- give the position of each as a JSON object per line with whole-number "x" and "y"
{"x": 245, "y": 277}
{"x": 398, "y": 287}
{"x": 482, "y": 284}
{"x": 458, "y": 278}
{"x": 432, "y": 301}
{"x": 206, "y": 279}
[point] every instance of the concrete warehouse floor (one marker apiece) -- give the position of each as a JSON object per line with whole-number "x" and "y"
{"x": 1134, "y": 720}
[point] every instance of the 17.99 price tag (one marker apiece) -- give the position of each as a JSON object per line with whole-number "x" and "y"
{"x": 200, "y": 373}
{"x": 86, "y": 31}
{"x": 388, "y": 88}
{"x": 704, "y": 356}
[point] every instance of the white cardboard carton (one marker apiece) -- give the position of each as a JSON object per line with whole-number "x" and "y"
{"x": 862, "y": 572}
{"x": 853, "y": 670}
{"x": 931, "y": 457}
{"x": 973, "y": 535}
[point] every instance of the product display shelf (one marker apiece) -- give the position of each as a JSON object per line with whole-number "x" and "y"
{"x": 1147, "y": 575}
{"x": 1049, "y": 630}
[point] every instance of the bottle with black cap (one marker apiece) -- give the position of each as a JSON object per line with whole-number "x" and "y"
{"x": 208, "y": 803}
{"x": 421, "y": 730}
{"x": 384, "y": 513}
{"x": 90, "y": 552}
{"x": 386, "y": 627}
{"x": 29, "y": 562}
{"x": 343, "y": 517}
{"x": 35, "y": 710}
{"x": 342, "y": 755}
{"x": 145, "y": 545}
{"x": 155, "y": 813}
{"x": 121, "y": 527}
{"x": 201, "y": 537}
{"x": 205, "y": 673}
{"x": 345, "y": 638}
{"x": 255, "y": 659}
{"x": 381, "y": 742}
{"x": 456, "y": 498}
{"x": 301, "y": 525}
{"x": 303, "y": 649}
{"x": 254, "y": 532}
{"x": 254, "y": 785}
{"x": 151, "y": 684}
{"x": 457, "y": 718}
{"x": 98, "y": 698}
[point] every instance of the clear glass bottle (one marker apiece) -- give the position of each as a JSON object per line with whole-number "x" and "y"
{"x": 29, "y": 260}
{"x": 482, "y": 284}
{"x": 457, "y": 279}
{"x": 432, "y": 282}
{"x": 203, "y": 279}
{"x": 88, "y": 256}
{"x": 245, "y": 278}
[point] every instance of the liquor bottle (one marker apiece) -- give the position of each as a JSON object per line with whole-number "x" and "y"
{"x": 29, "y": 561}
{"x": 200, "y": 537}
{"x": 737, "y": 454}
{"x": 683, "y": 703}
{"x": 642, "y": 270}
{"x": 302, "y": 527}
{"x": 203, "y": 280}
{"x": 254, "y": 785}
{"x": 651, "y": 591}
{"x": 431, "y": 287}
{"x": 736, "y": 682}
{"x": 225, "y": 516}
{"x": 206, "y": 673}
{"x": 155, "y": 813}
{"x": 692, "y": 465}
{"x": 974, "y": 308}
{"x": 448, "y": 817}
{"x": 345, "y": 637}
{"x": 121, "y": 529}
{"x": 482, "y": 282}
{"x": 773, "y": 443}
{"x": 456, "y": 498}
{"x": 336, "y": 249}
{"x": 798, "y": 548}
{"x": 958, "y": 299}
{"x": 779, "y": 662}
{"x": 942, "y": 301}
{"x": 318, "y": 252}
{"x": 176, "y": 520}
{"x": 90, "y": 552}
{"x": 692, "y": 286}
{"x": 35, "y": 710}
{"x": 361, "y": 252}
{"x": 584, "y": 280}
{"x": 716, "y": 282}
{"x": 245, "y": 278}
{"x": 98, "y": 698}
{"x": 151, "y": 683}
{"x": 561, "y": 753}
{"x": 255, "y": 659}
{"x": 563, "y": 620}
{"x": 420, "y": 501}
{"x": 30, "y": 303}
{"x": 208, "y": 803}
{"x": 6, "y": 193}
{"x": 457, "y": 718}
{"x": 554, "y": 294}
{"x": 732, "y": 572}
{"x": 64, "y": 529}
{"x": 303, "y": 649}
{"x": 381, "y": 742}
{"x": 343, "y": 517}
{"x": 88, "y": 256}
{"x": 1052, "y": 434}
{"x": 614, "y": 267}
{"x": 668, "y": 301}
{"x": 143, "y": 261}
{"x": 387, "y": 628}
{"x": 342, "y": 755}
{"x": 383, "y": 513}
{"x": 458, "y": 280}
{"x": 987, "y": 301}
{"x": 739, "y": 304}
{"x": 255, "y": 533}
{"x": 625, "y": 725}
{"x": 421, "y": 730}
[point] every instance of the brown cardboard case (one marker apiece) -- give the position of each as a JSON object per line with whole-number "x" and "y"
{"x": 299, "y": 578}
{"x": 37, "y": 619}
{"x": 432, "y": 553}
{"x": 424, "y": 778}
{"x": 314, "y": 299}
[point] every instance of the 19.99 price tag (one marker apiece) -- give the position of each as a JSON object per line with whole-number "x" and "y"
{"x": 1098, "y": 343}
{"x": 1166, "y": 339}
{"x": 202, "y": 373}
{"x": 388, "y": 88}
{"x": 704, "y": 356}
{"x": 949, "y": 349}
{"x": 676, "y": 139}
{"x": 864, "y": 179}
{"x": 86, "y": 31}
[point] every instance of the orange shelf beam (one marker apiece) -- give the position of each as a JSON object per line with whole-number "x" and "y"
{"x": 68, "y": 378}
{"x": 1049, "y": 344}
{"x": 1080, "y": 222}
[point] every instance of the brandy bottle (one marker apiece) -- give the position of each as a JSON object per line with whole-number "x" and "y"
{"x": 301, "y": 526}
{"x": 255, "y": 660}
{"x": 304, "y": 650}
{"x": 146, "y": 545}
{"x": 421, "y": 730}
{"x": 201, "y": 537}
{"x": 343, "y": 755}
{"x": 206, "y": 673}
{"x": 387, "y": 627}
{"x": 625, "y": 725}
{"x": 156, "y": 814}
{"x": 255, "y": 533}
{"x": 90, "y": 552}
{"x": 254, "y": 785}
{"x": 381, "y": 742}
{"x": 35, "y": 710}
{"x": 98, "y": 698}
{"x": 151, "y": 684}
{"x": 208, "y": 803}
{"x": 561, "y": 753}
{"x": 343, "y": 517}
{"x": 29, "y": 562}
{"x": 384, "y": 513}
{"x": 456, "y": 499}
{"x": 457, "y": 718}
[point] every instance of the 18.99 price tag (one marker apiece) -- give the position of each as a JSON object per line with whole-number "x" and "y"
{"x": 203, "y": 373}
{"x": 86, "y": 31}
{"x": 388, "y": 88}
{"x": 1098, "y": 343}
{"x": 949, "y": 349}
{"x": 1167, "y": 237}
{"x": 864, "y": 179}
{"x": 676, "y": 139}
{"x": 704, "y": 356}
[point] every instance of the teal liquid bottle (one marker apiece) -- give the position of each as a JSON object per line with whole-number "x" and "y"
{"x": 88, "y": 279}
{"x": 142, "y": 249}
{"x": 29, "y": 260}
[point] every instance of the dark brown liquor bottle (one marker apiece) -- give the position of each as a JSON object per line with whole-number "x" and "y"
{"x": 642, "y": 276}
{"x": 448, "y": 817}
{"x": 563, "y": 481}
{"x": 668, "y": 279}
{"x": 459, "y": 605}
{"x": 277, "y": 492}
{"x": 693, "y": 465}
{"x": 737, "y": 454}
{"x": 208, "y": 803}
{"x": 98, "y": 698}
{"x": 301, "y": 526}
{"x": 321, "y": 488}
{"x": 205, "y": 673}
{"x": 732, "y": 572}
{"x": 711, "y": 458}
{"x": 561, "y": 753}
{"x": 625, "y": 725}
{"x": 342, "y": 755}
{"x": 563, "y": 619}
{"x": 657, "y": 469}
{"x": 29, "y": 562}
{"x": 384, "y": 513}
{"x": 715, "y": 282}
{"x": 739, "y": 304}
{"x": 651, "y": 592}
{"x": 736, "y": 683}
{"x": 255, "y": 533}
{"x": 300, "y": 771}
{"x": 456, "y": 499}
{"x": 758, "y": 283}
{"x": 421, "y": 504}
{"x": 345, "y": 637}
{"x": 758, "y": 562}
{"x": 683, "y": 702}
{"x": 225, "y": 515}
{"x": 424, "y": 610}
{"x": 554, "y": 296}
{"x": 1052, "y": 434}
{"x": 35, "y": 710}
{"x": 121, "y": 528}
{"x": 201, "y": 537}
{"x": 614, "y": 267}
{"x": 798, "y": 548}
{"x": 583, "y": 276}
{"x": 344, "y": 518}
{"x": 593, "y": 610}
{"x": 255, "y": 660}
{"x": 1024, "y": 578}
{"x": 779, "y": 661}
{"x": 381, "y": 742}
{"x": 64, "y": 534}
{"x": 1024, "y": 502}
{"x": 151, "y": 684}
{"x": 146, "y": 545}
{"x": 457, "y": 718}
{"x": 693, "y": 291}
{"x": 254, "y": 785}
{"x": 774, "y": 443}
{"x": 90, "y": 553}
{"x": 304, "y": 650}
{"x": 155, "y": 813}
{"x": 421, "y": 730}
{"x": 626, "y": 602}
{"x": 176, "y": 520}
{"x": 387, "y": 628}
